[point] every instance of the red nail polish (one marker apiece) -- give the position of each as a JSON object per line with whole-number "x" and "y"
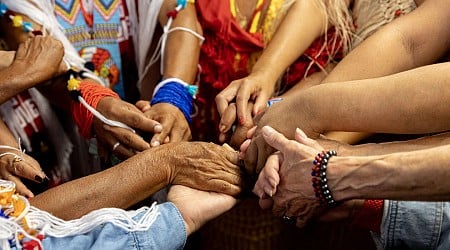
{"x": 241, "y": 120}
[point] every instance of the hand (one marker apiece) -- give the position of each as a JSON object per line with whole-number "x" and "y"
{"x": 13, "y": 168}
{"x": 40, "y": 57}
{"x": 283, "y": 117}
{"x": 239, "y": 134}
{"x": 198, "y": 207}
{"x": 201, "y": 165}
{"x": 130, "y": 142}
{"x": 175, "y": 127}
{"x": 287, "y": 175}
{"x": 252, "y": 89}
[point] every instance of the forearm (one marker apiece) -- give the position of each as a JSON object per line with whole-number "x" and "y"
{"x": 409, "y": 102}
{"x": 183, "y": 48}
{"x": 121, "y": 186}
{"x": 371, "y": 149}
{"x": 401, "y": 45}
{"x": 303, "y": 23}
{"x": 419, "y": 175}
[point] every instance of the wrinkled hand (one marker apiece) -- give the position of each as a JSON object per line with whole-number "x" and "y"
{"x": 198, "y": 207}
{"x": 41, "y": 58}
{"x": 287, "y": 175}
{"x": 204, "y": 166}
{"x": 130, "y": 143}
{"x": 175, "y": 127}
{"x": 251, "y": 89}
{"x": 13, "y": 168}
{"x": 283, "y": 117}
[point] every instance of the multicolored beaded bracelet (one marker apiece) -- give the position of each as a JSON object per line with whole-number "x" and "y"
{"x": 320, "y": 181}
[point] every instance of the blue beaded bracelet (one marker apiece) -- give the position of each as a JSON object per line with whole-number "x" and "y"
{"x": 177, "y": 93}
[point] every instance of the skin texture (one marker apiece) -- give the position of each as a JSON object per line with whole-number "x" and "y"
{"x": 37, "y": 59}
{"x": 367, "y": 171}
{"x": 197, "y": 207}
{"x": 13, "y": 171}
{"x": 288, "y": 43}
{"x": 397, "y": 47}
{"x": 350, "y": 107}
{"x": 181, "y": 59}
{"x": 202, "y": 166}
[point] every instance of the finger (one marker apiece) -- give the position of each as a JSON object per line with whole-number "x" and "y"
{"x": 157, "y": 138}
{"x": 128, "y": 139}
{"x": 143, "y": 105}
{"x": 264, "y": 151}
{"x": 266, "y": 203}
{"x": 226, "y": 96}
{"x": 260, "y": 103}
{"x": 20, "y": 187}
{"x": 25, "y": 170}
{"x": 231, "y": 155}
{"x": 242, "y": 99}
{"x": 22, "y": 50}
{"x": 251, "y": 156}
{"x": 274, "y": 138}
{"x": 122, "y": 152}
{"x": 133, "y": 117}
{"x": 243, "y": 148}
{"x": 228, "y": 118}
{"x": 271, "y": 174}
{"x": 222, "y": 186}
{"x": 176, "y": 135}
{"x": 251, "y": 132}
{"x": 301, "y": 137}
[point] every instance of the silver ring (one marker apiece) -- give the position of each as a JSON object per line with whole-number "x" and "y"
{"x": 288, "y": 220}
{"x": 115, "y": 146}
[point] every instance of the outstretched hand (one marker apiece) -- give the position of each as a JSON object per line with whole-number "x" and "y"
{"x": 198, "y": 207}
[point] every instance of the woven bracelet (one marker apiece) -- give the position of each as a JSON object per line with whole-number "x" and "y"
{"x": 320, "y": 181}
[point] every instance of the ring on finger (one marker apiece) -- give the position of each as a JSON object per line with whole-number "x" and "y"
{"x": 117, "y": 144}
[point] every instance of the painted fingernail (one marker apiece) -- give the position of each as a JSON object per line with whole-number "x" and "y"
{"x": 241, "y": 120}
{"x": 38, "y": 179}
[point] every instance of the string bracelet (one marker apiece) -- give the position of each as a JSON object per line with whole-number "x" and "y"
{"x": 87, "y": 95}
{"x": 320, "y": 181}
{"x": 177, "y": 93}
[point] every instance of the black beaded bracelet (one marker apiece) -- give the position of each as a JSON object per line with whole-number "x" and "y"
{"x": 319, "y": 180}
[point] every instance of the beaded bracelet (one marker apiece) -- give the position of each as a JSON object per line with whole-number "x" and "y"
{"x": 319, "y": 180}
{"x": 177, "y": 93}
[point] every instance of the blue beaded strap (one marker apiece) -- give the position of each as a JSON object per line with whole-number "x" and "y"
{"x": 177, "y": 93}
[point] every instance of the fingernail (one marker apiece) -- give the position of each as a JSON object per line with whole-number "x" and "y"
{"x": 266, "y": 130}
{"x": 157, "y": 128}
{"x": 268, "y": 191}
{"x": 38, "y": 179}
{"x": 222, "y": 128}
{"x": 301, "y": 133}
{"x": 156, "y": 144}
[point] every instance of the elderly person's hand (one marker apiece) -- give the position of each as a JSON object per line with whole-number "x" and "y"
{"x": 175, "y": 128}
{"x": 287, "y": 177}
{"x": 123, "y": 142}
{"x": 201, "y": 165}
{"x": 197, "y": 207}
{"x": 40, "y": 57}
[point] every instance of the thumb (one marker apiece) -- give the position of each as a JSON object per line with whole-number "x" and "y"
{"x": 274, "y": 138}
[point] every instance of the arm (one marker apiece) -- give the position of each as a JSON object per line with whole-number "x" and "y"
{"x": 180, "y": 61}
{"x": 401, "y": 45}
{"x": 409, "y": 102}
{"x": 202, "y": 166}
{"x": 303, "y": 23}
{"x": 418, "y": 175}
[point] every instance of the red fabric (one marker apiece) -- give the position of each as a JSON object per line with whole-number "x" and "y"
{"x": 224, "y": 38}
{"x": 92, "y": 94}
{"x": 370, "y": 215}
